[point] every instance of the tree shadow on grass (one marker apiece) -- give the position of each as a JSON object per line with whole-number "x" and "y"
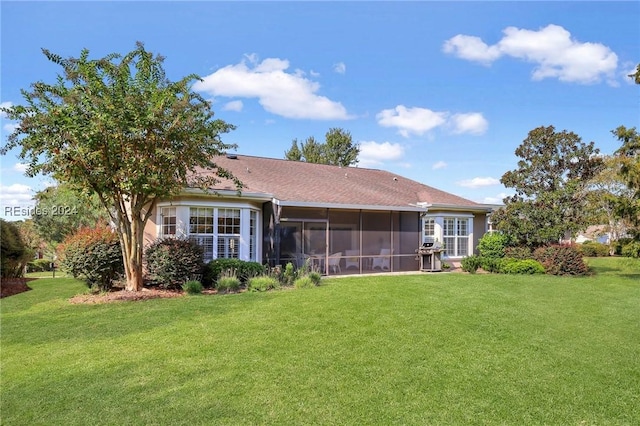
{"x": 635, "y": 277}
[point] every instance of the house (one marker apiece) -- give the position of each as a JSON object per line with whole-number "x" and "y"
{"x": 597, "y": 233}
{"x": 341, "y": 219}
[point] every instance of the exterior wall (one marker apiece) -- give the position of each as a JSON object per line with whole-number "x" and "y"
{"x": 337, "y": 241}
{"x": 480, "y": 227}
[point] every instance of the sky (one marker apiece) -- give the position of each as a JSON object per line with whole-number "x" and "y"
{"x": 439, "y": 92}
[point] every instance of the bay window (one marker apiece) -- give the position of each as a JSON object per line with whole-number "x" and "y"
{"x": 221, "y": 231}
{"x": 453, "y": 231}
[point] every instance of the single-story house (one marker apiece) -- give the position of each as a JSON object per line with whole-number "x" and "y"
{"x": 341, "y": 219}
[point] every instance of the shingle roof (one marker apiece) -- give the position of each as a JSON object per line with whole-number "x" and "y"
{"x": 300, "y": 182}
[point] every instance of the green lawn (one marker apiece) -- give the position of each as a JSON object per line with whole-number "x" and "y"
{"x": 410, "y": 349}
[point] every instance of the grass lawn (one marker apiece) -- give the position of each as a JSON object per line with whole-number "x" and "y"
{"x": 410, "y": 349}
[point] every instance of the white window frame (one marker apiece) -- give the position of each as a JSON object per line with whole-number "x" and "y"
{"x": 166, "y": 225}
{"x": 246, "y": 243}
{"x": 455, "y": 246}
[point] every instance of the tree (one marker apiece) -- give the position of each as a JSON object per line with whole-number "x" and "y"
{"x": 338, "y": 149}
{"x": 552, "y": 173}
{"x": 118, "y": 128}
{"x": 60, "y": 211}
{"x": 30, "y": 237}
{"x": 605, "y": 192}
{"x": 628, "y": 156}
{"x": 14, "y": 255}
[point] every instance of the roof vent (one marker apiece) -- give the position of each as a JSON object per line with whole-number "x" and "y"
{"x": 232, "y": 156}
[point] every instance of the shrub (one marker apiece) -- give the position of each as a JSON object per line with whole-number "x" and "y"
{"x": 228, "y": 281}
{"x": 173, "y": 261}
{"x": 492, "y": 245}
{"x": 561, "y": 260}
{"x": 491, "y": 264}
{"x": 14, "y": 254}
{"x": 244, "y": 270}
{"x": 631, "y": 249}
{"x": 521, "y": 266}
{"x": 39, "y": 265}
{"x": 619, "y": 244}
{"x": 263, "y": 283}
{"x": 315, "y": 276}
{"x": 304, "y": 282}
{"x": 593, "y": 249}
{"x": 471, "y": 264}
{"x": 289, "y": 274}
{"x": 93, "y": 255}
{"x": 518, "y": 252}
{"x": 192, "y": 287}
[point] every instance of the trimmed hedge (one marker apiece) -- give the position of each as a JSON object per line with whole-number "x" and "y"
{"x": 171, "y": 262}
{"x": 593, "y": 249}
{"x": 93, "y": 255}
{"x": 521, "y": 266}
{"x": 493, "y": 245}
{"x": 39, "y": 265}
{"x": 561, "y": 260}
{"x": 631, "y": 249}
{"x": 14, "y": 254}
{"x": 471, "y": 264}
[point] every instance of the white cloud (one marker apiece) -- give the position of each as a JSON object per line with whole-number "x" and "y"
{"x": 552, "y": 49}
{"x": 15, "y": 195}
{"x": 233, "y": 106}
{"x": 374, "y": 153}
{"x": 471, "y": 48}
{"x": 473, "y": 123}
{"x": 418, "y": 121}
{"x": 498, "y": 199}
{"x": 7, "y": 127}
{"x": 340, "y": 68}
{"x": 10, "y": 127}
{"x": 479, "y": 182}
{"x": 20, "y": 167}
{"x": 289, "y": 95}
{"x": 5, "y": 105}
{"x": 439, "y": 165}
{"x": 411, "y": 120}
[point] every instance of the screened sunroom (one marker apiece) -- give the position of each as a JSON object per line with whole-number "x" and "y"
{"x": 338, "y": 242}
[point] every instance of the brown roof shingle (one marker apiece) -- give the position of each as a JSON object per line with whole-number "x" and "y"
{"x": 300, "y": 182}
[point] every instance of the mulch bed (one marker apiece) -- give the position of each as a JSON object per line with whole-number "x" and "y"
{"x": 11, "y": 286}
{"x": 124, "y": 296}
{"x": 119, "y": 295}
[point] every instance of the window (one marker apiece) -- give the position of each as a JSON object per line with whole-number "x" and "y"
{"x": 429, "y": 229}
{"x": 253, "y": 223}
{"x": 228, "y": 221}
{"x": 222, "y": 232}
{"x": 228, "y": 233}
{"x": 201, "y": 229}
{"x": 456, "y": 236}
{"x": 168, "y": 215}
{"x": 201, "y": 220}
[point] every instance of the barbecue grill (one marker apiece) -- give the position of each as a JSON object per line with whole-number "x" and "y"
{"x": 429, "y": 255}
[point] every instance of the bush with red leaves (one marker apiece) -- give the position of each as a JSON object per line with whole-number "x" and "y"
{"x": 561, "y": 260}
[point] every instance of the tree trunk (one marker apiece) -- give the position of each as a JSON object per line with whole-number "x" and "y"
{"x": 132, "y": 255}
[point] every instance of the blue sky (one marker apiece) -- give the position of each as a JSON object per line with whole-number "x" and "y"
{"x": 439, "y": 92}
